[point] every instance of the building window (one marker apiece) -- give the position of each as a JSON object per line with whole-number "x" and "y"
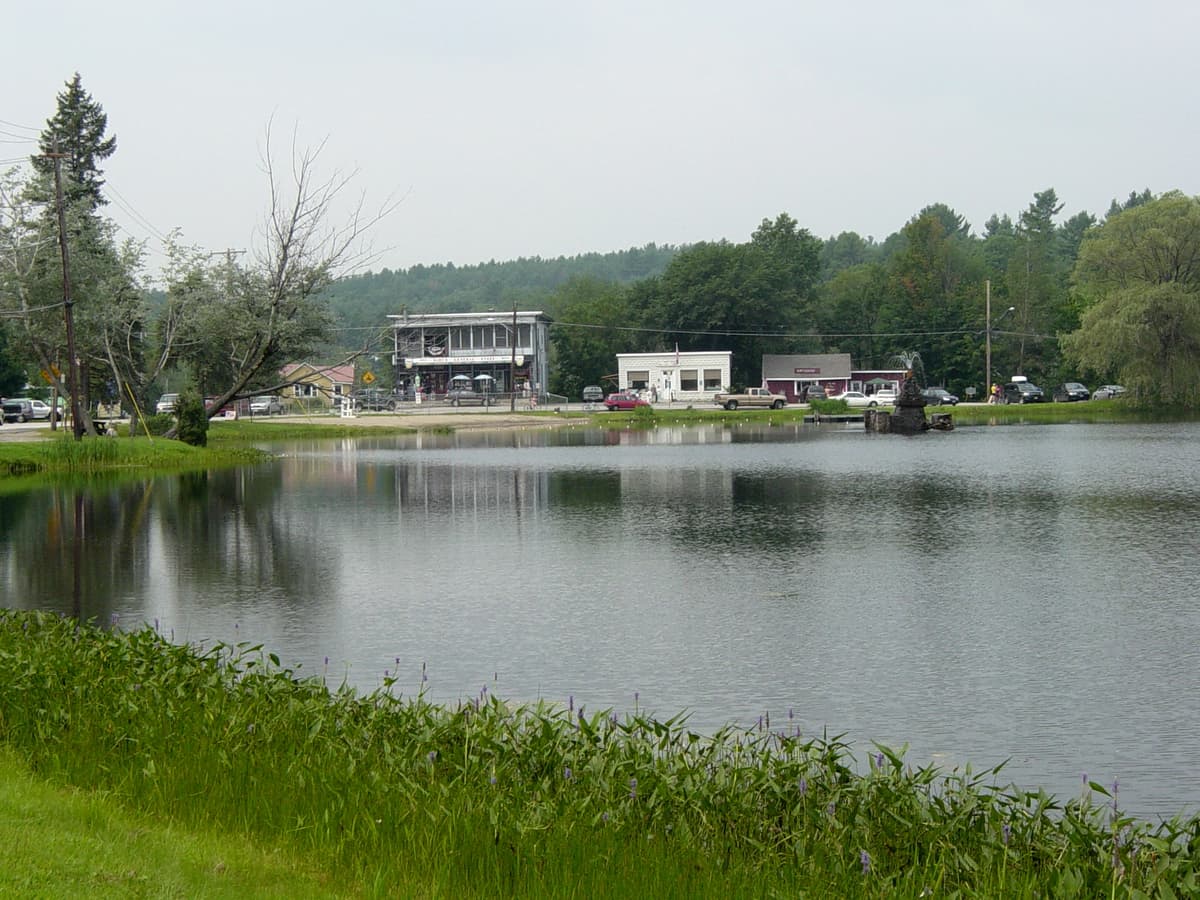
{"x": 458, "y": 339}
{"x": 688, "y": 380}
{"x": 304, "y": 389}
{"x": 712, "y": 379}
{"x": 639, "y": 380}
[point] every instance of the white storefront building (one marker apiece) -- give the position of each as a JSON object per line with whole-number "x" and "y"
{"x": 675, "y": 377}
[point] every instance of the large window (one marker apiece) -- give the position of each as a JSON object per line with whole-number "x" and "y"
{"x": 639, "y": 380}
{"x": 688, "y": 380}
{"x": 712, "y": 379}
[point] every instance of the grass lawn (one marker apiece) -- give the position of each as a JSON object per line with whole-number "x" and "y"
{"x": 63, "y": 842}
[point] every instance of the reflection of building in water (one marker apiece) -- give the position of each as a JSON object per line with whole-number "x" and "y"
{"x": 490, "y": 349}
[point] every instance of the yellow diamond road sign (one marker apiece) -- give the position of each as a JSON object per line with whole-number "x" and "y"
{"x": 368, "y": 377}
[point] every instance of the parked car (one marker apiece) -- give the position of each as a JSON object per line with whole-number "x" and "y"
{"x": 166, "y": 403}
{"x": 815, "y": 392}
{"x": 1022, "y": 392}
{"x": 1072, "y": 390}
{"x": 936, "y": 396}
{"x": 374, "y": 400}
{"x": 593, "y": 393}
{"x": 266, "y": 405}
{"x": 855, "y": 399}
{"x": 23, "y": 409}
{"x": 623, "y": 401}
{"x": 468, "y": 397}
{"x": 885, "y": 397}
{"x": 1107, "y": 392}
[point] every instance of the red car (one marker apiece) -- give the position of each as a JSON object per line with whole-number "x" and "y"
{"x": 623, "y": 401}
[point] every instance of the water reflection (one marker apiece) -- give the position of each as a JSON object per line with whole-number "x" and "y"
{"x": 1024, "y": 592}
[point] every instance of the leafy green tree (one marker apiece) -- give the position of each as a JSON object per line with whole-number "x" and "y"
{"x": 933, "y": 296}
{"x": 193, "y": 419}
{"x": 1139, "y": 277}
{"x": 744, "y": 298}
{"x": 12, "y": 373}
{"x": 850, "y": 308}
{"x": 1036, "y": 284}
{"x": 846, "y": 251}
{"x": 592, "y": 325}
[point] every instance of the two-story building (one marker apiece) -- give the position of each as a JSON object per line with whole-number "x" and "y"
{"x": 504, "y": 351}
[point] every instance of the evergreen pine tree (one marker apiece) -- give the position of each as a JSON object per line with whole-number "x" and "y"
{"x": 77, "y": 130}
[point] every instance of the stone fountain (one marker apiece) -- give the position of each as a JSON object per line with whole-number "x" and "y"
{"x": 908, "y": 416}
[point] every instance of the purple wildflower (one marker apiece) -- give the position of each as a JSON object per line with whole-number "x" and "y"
{"x": 632, "y": 788}
{"x": 831, "y": 808}
{"x": 865, "y": 858}
{"x": 1006, "y": 833}
{"x": 879, "y": 760}
{"x": 570, "y": 703}
{"x": 803, "y": 786}
{"x": 492, "y": 780}
{"x": 327, "y": 662}
{"x": 432, "y": 755}
{"x": 567, "y": 774}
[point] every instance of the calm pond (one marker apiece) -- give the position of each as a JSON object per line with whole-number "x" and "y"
{"x": 1029, "y": 593}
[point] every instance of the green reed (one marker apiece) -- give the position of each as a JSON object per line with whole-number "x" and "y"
{"x": 485, "y": 798}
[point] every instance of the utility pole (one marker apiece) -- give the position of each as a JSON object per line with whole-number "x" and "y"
{"x": 68, "y": 303}
{"x": 512, "y": 366}
{"x": 987, "y": 372}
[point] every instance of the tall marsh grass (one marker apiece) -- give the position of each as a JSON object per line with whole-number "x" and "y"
{"x": 483, "y": 798}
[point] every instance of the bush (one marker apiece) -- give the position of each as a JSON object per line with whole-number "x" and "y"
{"x": 829, "y": 407}
{"x": 159, "y": 423}
{"x": 193, "y": 420}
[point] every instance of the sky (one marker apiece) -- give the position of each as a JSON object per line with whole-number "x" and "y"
{"x": 554, "y": 128}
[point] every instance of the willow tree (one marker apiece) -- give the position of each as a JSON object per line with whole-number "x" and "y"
{"x": 1138, "y": 280}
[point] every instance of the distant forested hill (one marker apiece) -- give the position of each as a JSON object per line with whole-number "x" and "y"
{"x": 363, "y": 302}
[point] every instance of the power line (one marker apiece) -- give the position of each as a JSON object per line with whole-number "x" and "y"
{"x": 19, "y": 125}
{"x": 129, "y": 209}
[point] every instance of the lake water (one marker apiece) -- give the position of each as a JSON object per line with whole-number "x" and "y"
{"x": 1029, "y": 592}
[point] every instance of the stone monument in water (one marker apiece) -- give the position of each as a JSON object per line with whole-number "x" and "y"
{"x": 908, "y": 417}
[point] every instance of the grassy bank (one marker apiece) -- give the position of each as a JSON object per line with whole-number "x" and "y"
{"x": 64, "y": 456}
{"x": 394, "y": 796}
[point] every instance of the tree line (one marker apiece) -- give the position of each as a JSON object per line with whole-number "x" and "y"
{"x": 1111, "y": 298}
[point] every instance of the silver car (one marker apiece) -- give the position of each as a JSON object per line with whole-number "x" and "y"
{"x": 266, "y": 405}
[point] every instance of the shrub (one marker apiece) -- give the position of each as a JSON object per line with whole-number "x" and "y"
{"x": 193, "y": 420}
{"x": 159, "y": 423}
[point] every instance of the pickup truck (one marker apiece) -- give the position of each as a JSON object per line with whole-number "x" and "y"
{"x": 751, "y": 397}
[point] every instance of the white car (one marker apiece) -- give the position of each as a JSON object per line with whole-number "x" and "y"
{"x": 886, "y": 397}
{"x": 166, "y": 404}
{"x": 856, "y": 399}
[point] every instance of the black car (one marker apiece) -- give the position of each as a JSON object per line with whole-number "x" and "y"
{"x": 1072, "y": 390}
{"x": 815, "y": 392}
{"x": 593, "y": 393}
{"x": 936, "y": 396}
{"x": 375, "y": 401}
{"x": 1022, "y": 392}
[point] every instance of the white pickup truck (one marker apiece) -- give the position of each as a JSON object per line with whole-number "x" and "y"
{"x": 751, "y": 397}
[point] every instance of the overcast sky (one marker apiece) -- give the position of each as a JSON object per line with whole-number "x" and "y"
{"x": 532, "y": 128}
